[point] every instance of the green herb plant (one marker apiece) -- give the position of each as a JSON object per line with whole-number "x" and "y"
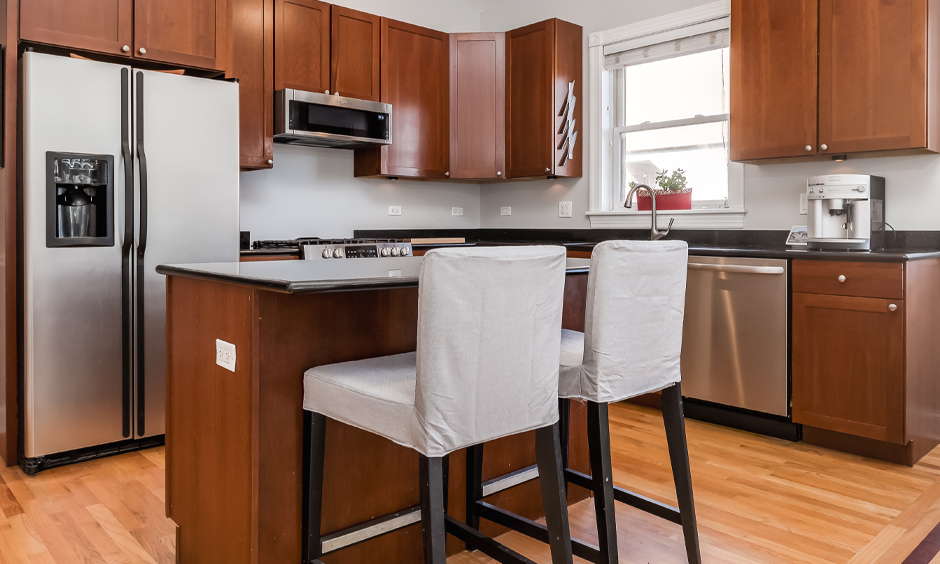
{"x": 675, "y": 182}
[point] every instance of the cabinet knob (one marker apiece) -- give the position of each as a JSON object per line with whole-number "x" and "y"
{"x": 499, "y": 173}
{"x": 547, "y": 169}
{"x": 809, "y": 148}
{"x": 446, "y": 174}
{"x": 270, "y": 161}
{"x": 326, "y": 91}
{"x": 892, "y": 307}
{"x": 841, "y": 278}
{"x": 126, "y": 48}
{"x": 142, "y": 51}
{"x": 823, "y": 146}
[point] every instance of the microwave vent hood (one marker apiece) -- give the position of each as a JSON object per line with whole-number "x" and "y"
{"x": 324, "y": 120}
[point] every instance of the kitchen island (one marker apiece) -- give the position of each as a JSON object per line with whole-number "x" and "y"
{"x": 235, "y": 471}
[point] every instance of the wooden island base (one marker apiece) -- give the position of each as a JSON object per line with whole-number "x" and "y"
{"x": 234, "y": 467}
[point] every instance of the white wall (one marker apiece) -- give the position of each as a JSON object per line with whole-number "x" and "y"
{"x": 312, "y": 192}
{"x": 771, "y": 191}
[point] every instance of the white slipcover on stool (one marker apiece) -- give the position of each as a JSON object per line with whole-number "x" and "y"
{"x": 631, "y": 346}
{"x": 485, "y": 368}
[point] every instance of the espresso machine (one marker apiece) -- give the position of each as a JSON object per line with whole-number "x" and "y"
{"x": 845, "y": 212}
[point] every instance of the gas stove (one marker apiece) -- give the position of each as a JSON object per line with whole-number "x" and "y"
{"x": 316, "y": 248}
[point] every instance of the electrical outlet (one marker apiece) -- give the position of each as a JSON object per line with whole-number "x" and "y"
{"x": 507, "y": 210}
{"x": 564, "y": 209}
{"x": 456, "y": 211}
{"x": 803, "y": 204}
{"x": 394, "y": 210}
{"x": 225, "y": 354}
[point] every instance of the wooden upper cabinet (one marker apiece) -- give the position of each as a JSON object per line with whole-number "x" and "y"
{"x": 542, "y": 59}
{"x": 253, "y": 66}
{"x": 192, "y": 33}
{"x": 872, "y": 75}
{"x": 415, "y": 82}
{"x": 302, "y": 45}
{"x": 105, "y": 26}
{"x": 848, "y": 365}
{"x": 356, "y": 51}
{"x": 773, "y": 78}
{"x": 477, "y": 105}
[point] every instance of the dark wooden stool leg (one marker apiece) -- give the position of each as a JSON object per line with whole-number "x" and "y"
{"x": 474, "y": 486}
{"x": 316, "y": 431}
{"x": 564, "y": 428}
{"x": 602, "y": 481}
{"x": 674, "y": 420}
{"x": 554, "y": 500}
{"x": 432, "y": 509}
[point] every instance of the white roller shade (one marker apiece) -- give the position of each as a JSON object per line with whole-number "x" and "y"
{"x": 674, "y": 43}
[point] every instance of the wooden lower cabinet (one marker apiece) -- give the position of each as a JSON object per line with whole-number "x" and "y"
{"x": 866, "y": 357}
{"x": 848, "y": 365}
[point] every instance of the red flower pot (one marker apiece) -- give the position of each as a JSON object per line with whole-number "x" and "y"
{"x": 681, "y": 200}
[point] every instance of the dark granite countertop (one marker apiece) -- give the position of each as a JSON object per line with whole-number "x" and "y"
{"x": 303, "y": 276}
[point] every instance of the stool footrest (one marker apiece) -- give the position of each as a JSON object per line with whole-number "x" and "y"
{"x": 643, "y": 503}
{"x": 507, "y": 481}
{"x": 533, "y": 529}
{"x": 483, "y": 543}
{"x": 369, "y": 530}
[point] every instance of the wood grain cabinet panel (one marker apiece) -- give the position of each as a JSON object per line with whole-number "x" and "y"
{"x": 415, "y": 82}
{"x": 845, "y": 278}
{"x": 848, "y": 365}
{"x": 105, "y": 26}
{"x": 773, "y": 78}
{"x": 542, "y": 59}
{"x": 302, "y": 48}
{"x": 356, "y": 53}
{"x": 872, "y": 75}
{"x": 477, "y": 105}
{"x": 192, "y": 33}
{"x": 253, "y": 66}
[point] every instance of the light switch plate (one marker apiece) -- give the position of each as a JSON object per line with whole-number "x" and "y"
{"x": 506, "y": 210}
{"x": 803, "y": 204}
{"x": 564, "y": 209}
{"x": 225, "y": 354}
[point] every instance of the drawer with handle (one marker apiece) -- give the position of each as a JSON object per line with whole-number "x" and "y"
{"x": 843, "y": 278}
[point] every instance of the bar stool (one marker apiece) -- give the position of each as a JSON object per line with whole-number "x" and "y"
{"x": 485, "y": 368}
{"x": 630, "y": 347}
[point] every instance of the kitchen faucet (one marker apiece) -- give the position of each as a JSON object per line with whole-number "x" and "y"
{"x": 654, "y": 233}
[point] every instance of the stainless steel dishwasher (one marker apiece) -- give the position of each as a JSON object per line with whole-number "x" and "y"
{"x": 735, "y": 338}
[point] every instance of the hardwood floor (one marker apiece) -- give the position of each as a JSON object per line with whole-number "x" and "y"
{"x": 759, "y": 500}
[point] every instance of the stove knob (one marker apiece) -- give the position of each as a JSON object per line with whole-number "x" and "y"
{"x": 394, "y": 251}
{"x": 327, "y": 253}
{"x": 404, "y": 251}
{"x": 384, "y": 252}
{"x": 337, "y": 253}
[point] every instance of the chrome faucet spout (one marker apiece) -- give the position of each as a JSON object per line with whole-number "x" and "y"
{"x": 655, "y": 233}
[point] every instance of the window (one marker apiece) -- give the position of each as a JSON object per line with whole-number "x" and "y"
{"x": 663, "y": 91}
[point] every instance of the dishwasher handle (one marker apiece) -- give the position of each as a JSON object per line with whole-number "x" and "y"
{"x": 737, "y": 268}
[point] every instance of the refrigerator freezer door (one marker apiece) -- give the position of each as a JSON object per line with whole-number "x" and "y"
{"x": 188, "y": 133}
{"x": 72, "y": 295}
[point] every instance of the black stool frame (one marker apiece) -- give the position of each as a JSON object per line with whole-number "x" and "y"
{"x": 600, "y": 483}
{"x": 432, "y": 512}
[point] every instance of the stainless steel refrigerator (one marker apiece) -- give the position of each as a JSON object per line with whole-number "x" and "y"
{"x": 123, "y": 169}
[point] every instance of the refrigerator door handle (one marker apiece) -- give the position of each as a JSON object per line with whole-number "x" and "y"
{"x": 141, "y": 251}
{"x": 127, "y": 244}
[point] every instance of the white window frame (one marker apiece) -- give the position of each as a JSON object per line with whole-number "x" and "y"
{"x": 604, "y": 166}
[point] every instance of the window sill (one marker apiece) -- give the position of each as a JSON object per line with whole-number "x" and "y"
{"x": 728, "y": 218}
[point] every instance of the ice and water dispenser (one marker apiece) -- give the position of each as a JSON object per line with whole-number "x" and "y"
{"x": 80, "y": 200}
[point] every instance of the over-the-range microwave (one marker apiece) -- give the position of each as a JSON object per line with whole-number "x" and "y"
{"x": 324, "y": 120}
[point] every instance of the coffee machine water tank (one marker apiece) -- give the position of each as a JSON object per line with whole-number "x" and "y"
{"x": 845, "y": 212}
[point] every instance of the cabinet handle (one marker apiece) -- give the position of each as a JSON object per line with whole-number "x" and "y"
{"x": 809, "y": 148}
{"x": 270, "y": 161}
{"x": 823, "y": 146}
{"x": 142, "y": 51}
{"x": 126, "y": 48}
{"x": 892, "y": 307}
{"x": 841, "y": 278}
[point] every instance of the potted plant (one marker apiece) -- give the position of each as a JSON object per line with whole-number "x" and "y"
{"x": 672, "y": 192}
